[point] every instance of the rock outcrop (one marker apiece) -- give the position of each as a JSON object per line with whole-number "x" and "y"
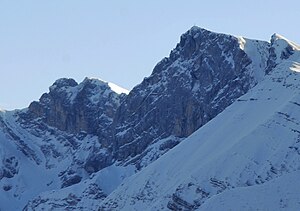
{"x": 89, "y": 106}
{"x": 204, "y": 74}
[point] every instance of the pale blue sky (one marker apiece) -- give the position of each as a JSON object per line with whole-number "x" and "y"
{"x": 117, "y": 40}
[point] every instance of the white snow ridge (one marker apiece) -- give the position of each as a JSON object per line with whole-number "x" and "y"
{"x": 117, "y": 89}
{"x": 93, "y": 146}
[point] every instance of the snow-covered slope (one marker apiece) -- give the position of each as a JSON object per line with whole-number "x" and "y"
{"x": 252, "y": 146}
{"x": 36, "y": 161}
{"x": 279, "y": 194}
{"x": 258, "y": 52}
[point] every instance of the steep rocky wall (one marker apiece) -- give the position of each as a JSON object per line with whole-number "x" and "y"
{"x": 204, "y": 74}
{"x": 89, "y": 106}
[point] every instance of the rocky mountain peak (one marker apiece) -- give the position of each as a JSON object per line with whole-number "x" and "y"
{"x": 74, "y": 107}
{"x": 194, "y": 40}
{"x": 204, "y": 74}
{"x": 63, "y": 83}
{"x": 103, "y": 85}
{"x": 280, "y": 49}
{"x": 280, "y": 41}
{"x": 69, "y": 90}
{"x": 94, "y": 83}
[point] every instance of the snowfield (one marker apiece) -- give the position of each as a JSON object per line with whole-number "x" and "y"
{"x": 279, "y": 194}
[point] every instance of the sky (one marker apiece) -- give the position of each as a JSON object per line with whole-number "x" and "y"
{"x": 117, "y": 41}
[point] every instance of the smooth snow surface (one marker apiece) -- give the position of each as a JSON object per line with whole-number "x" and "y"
{"x": 111, "y": 177}
{"x": 117, "y": 89}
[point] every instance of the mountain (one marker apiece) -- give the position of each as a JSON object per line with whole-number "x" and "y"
{"x": 246, "y": 158}
{"x": 53, "y": 143}
{"x": 204, "y": 74}
{"x": 71, "y": 107}
{"x": 93, "y": 145}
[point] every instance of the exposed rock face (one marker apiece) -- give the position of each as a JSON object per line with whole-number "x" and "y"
{"x": 88, "y": 106}
{"x": 9, "y": 167}
{"x": 204, "y": 74}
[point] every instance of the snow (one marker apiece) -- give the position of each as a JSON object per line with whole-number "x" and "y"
{"x": 258, "y": 53}
{"x": 105, "y": 180}
{"x": 280, "y": 194}
{"x": 280, "y": 44}
{"x": 156, "y": 149}
{"x": 249, "y": 144}
{"x": 111, "y": 177}
{"x": 30, "y": 180}
{"x": 32, "y": 168}
{"x": 283, "y": 42}
{"x": 296, "y": 67}
{"x": 117, "y": 89}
